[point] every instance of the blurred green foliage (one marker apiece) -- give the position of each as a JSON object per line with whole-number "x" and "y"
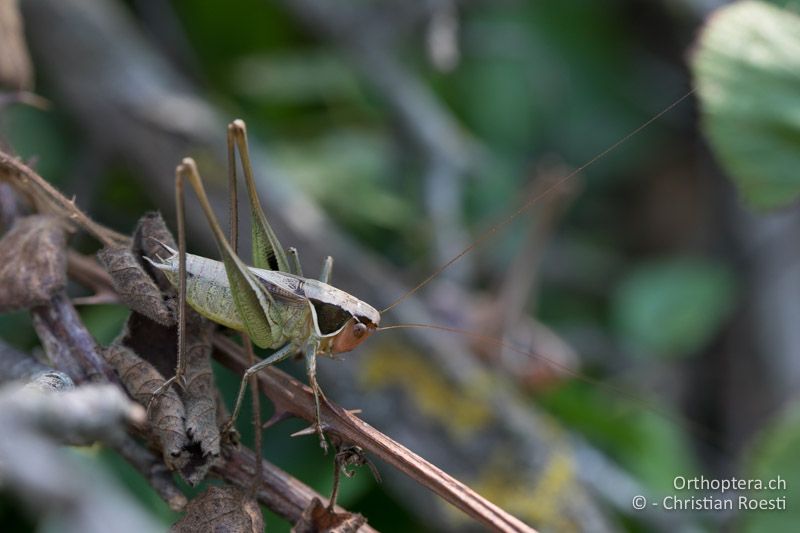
{"x": 774, "y": 455}
{"x": 748, "y": 51}
{"x": 673, "y": 307}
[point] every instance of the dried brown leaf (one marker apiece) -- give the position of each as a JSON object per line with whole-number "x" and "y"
{"x": 135, "y": 286}
{"x": 317, "y": 518}
{"x": 156, "y": 344}
{"x": 33, "y": 262}
{"x": 221, "y": 510}
{"x": 151, "y": 231}
{"x": 141, "y": 287}
{"x": 199, "y": 393}
{"x": 152, "y": 341}
{"x": 166, "y": 414}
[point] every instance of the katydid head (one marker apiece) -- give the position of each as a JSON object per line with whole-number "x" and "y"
{"x": 352, "y": 334}
{"x": 340, "y": 317}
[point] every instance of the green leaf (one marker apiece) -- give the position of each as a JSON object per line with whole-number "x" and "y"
{"x": 775, "y": 454}
{"x": 673, "y": 307}
{"x": 104, "y": 322}
{"x": 644, "y": 441}
{"x": 747, "y": 73}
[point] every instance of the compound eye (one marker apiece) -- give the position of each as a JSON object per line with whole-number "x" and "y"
{"x": 359, "y": 330}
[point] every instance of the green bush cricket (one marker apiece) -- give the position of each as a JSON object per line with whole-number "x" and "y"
{"x": 271, "y": 301}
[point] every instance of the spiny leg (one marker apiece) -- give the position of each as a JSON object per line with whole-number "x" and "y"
{"x": 180, "y": 367}
{"x": 256, "y": 404}
{"x": 233, "y": 222}
{"x": 311, "y": 369}
{"x": 233, "y": 192}
{"x": 277, "y": 357}
{"x": 267, "y": 250}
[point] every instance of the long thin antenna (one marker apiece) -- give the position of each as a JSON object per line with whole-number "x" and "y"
{"x": 533, "y": 199}
{"x": 700, "y": 431}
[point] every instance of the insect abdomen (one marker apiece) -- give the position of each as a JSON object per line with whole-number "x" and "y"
{"x": 207, "y": 288}
{"x": 213, "y": 300}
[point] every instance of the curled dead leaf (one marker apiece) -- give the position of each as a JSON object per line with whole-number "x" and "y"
{"x": 316, "y": 518}
{"x": 151, "y": 333}
{"x": 166, "y": 414}
{"x": 221, "y": 510}
{"x": 33, "y": 262}
{"x": 199, "y": 393}
{"x": 156, "y": 344}
{"x": 150, "y": 235}
{"x": 134, "y": 286}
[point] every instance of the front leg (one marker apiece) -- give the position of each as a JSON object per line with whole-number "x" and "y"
{"x": 277, "y": 357}
{"x": 311, "y": 369}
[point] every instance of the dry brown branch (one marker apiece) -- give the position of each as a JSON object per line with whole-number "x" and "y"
{"x": 33, "y": 276}
{"x": 153, "y": 470}
{"x": 88, "y": 273}
{"x": 68, "y": 344}
{"x": 46, "y": 199}
{"x": 290, "y": 396}
{"x": 50, "y": 482}
{"x": 283, "y": 494}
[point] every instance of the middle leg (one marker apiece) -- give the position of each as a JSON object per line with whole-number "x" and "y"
{"x": 277, "y": 357}
{"x": 311, "y": 369}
